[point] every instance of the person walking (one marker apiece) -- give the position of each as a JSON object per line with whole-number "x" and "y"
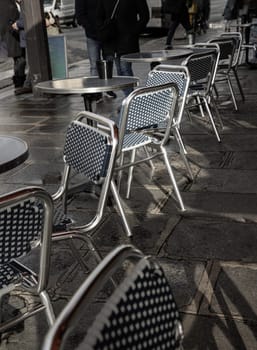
{"x": 131, "y": 18}
{"x": 178, "y": 11}
{"x": 231, "y": 12}
{"x": 19, "y": 27}
{"x": 85, "y": 12}
{"x": 9, "y": 13}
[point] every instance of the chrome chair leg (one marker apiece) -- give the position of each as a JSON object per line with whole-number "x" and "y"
{"x": 120, "y": 207}
{"x": 150, "y": 161}
{"x": 200, "y": 106}
{"x": 179, "y": 139}
{"x": 211, "y": 119}
{"x": 232, "y": 93}
{"x": 48, "y": 307}
{"x": 182, "y": 153}
{"x": 214, "y": 105}
{"x": 239, "y": 85}
{"x": 120, "y": 172}
{"x": 172, "y": 177}
{"x": 130, "y": 172}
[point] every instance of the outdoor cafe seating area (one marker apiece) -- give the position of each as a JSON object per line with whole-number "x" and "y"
{"x": 98, "y": 198}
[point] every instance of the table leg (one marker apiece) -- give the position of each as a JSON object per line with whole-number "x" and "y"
{"x": 88, "y": 98}
{"x": 154, "y": 64}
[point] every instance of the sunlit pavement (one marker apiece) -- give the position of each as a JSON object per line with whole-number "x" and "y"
{"x": 208, "y": 252}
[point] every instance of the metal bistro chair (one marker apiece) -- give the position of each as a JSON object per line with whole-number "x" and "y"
{"x": 211, "y": 97}
{"x": 141, "y": 113}
{"x": 163, "y": 74}
{"x": 90, "y": 149}
{"x": 202, "y": 68}
{"x": 237, "y": 36}
{"x": 141, "y": 313}
{"x": 26, "y": 217}
{"x": 227, "y": 51}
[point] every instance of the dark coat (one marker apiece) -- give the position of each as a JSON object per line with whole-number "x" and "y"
{"x": 20, "y": 25}
{"x": 85, "y": 11}
{"x": 175, "y": 6}
{"x": 8, "y": 14}
{"x": 231, "y": 9}
{"x": 131, "y": 19}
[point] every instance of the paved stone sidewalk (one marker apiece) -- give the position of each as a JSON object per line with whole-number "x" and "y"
{"x": 207, "y": 252}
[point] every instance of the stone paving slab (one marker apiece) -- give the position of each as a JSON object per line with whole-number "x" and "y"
{"x": 228, "y": 294}
{"x": 226, "y": 180}
{"x": 211, "y": 239}
{"x": 207, "y": 252}
{"x": 218, "y": 333}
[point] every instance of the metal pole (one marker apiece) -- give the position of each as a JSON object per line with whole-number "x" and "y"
{"x": 36, "y": 41}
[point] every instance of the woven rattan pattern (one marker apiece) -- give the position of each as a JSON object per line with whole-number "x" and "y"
{"x": 141, "y": 314}
{"x": 86, "y": 151}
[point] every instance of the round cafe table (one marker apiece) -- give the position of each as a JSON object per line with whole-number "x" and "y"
{"x": 13, "y": 152}
{"x": 154, "y": 57}
{"x": 86, "y": 86}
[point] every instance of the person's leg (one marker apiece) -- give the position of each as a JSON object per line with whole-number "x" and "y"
{"x": 184, "y": 20}
{"x": 94, "y": 54}
{"x": 109, "y": 94}
{"x": 19, "y": 69}
{"x": 172, "y": 28}
{"x": 124, "y": 68}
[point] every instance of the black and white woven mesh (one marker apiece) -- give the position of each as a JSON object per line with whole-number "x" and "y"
{"x": 149, "y": 110}
{"x": 20, "y": 225}
{"x": 87, "y": 150}
{"x": 200, "y": 67}
{"x": 141, "y": 314}
{"x": 157, "y": 77}
{"x": 226, "y": 48}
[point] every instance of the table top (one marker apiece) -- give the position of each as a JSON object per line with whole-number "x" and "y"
{"x": 242, "y": 25}
{"x": 13, "y": 151}
{"x": 86, "y": 85}
{"x": 157, "y": 56}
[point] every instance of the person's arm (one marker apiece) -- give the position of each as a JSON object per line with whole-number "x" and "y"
{"x": 81, "y": 12}
{"x": 20, "y": 22}
{"x": 143, "y": 12}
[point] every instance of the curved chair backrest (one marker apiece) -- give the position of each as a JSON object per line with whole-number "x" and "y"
{"x": 26, "y": 220}
{"x": 25, "y": 215}
{"x": 141, "y": 310}
{"x": 216, "y": 48}
{"x": 202, "y": 67}
{"x": 90, "y": 149}
{"x": 163, "y": 74}
{"x": 227, "y": 51}
{"x": 147, "y": 107}
{"x": 237, "y": 37}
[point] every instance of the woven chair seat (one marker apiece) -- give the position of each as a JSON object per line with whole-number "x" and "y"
{"x": 135, "y": 139}
{"x": 8, "y": 275}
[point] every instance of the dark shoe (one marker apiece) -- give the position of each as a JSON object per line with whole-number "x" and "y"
{"x": 97, "y": 97}
{"x": 18, "y": 80}
{"x": 23, "y": 90}
{"x": 168, "y": 47}
{"x": 110, "y": 94}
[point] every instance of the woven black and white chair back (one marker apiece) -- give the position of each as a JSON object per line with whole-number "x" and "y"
{"x": 237, "y": 37}
{"x": 162, "y": 75}
{"x": 142, "y": 310}
{"x": 148, "y": 107}
{"x": 227, "y": 50}
{"x": 26, "y": 219}
{"x": 21, "y": 226}
{"x": 200, "y": 66}
{"x": 87, "y": 150}
{"x": 141, "y": 313}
